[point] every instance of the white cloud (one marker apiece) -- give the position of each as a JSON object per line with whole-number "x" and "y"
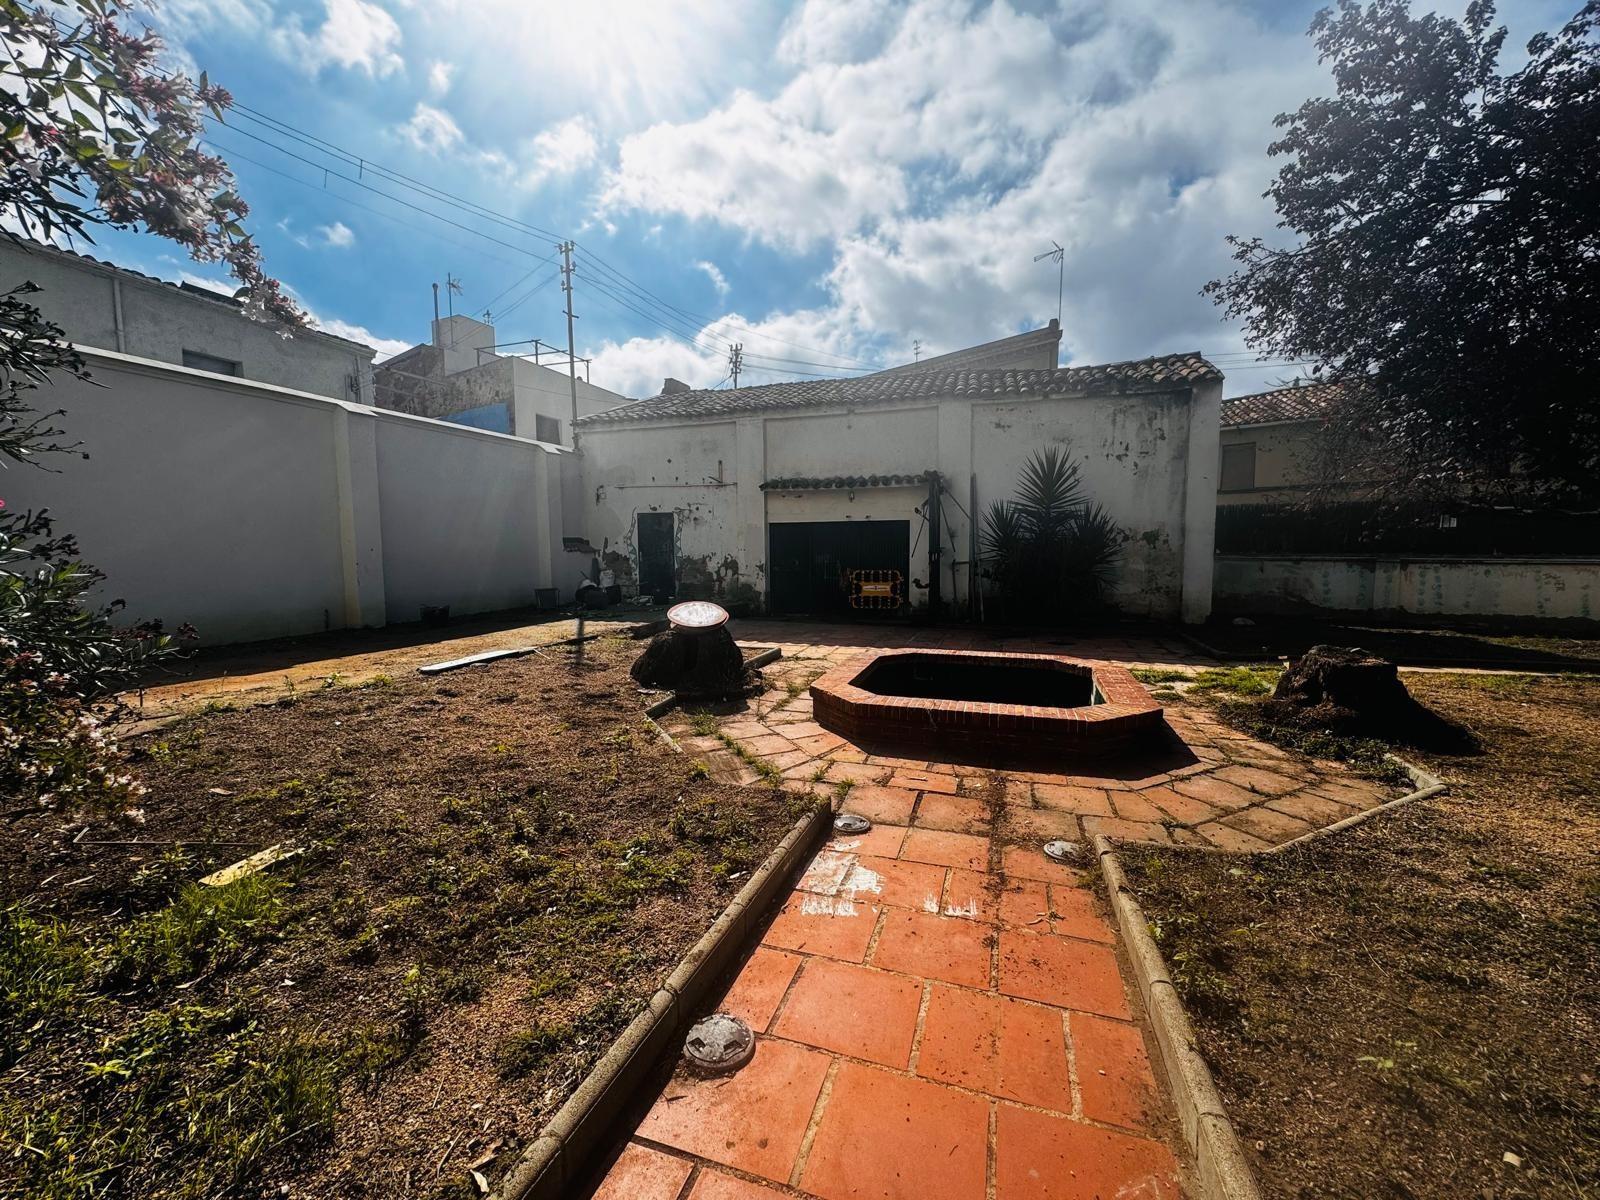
{"x": 353, "y": 35}
{"x": 561, "y": 150}
{"x": 386, "y": 347}
{"x": 338, "y": 235}
{"x": 934, "y": 158}
{"x": 836, "y": 30}
{"x": 439, "y": 77}
{"x": 356, "y": 35}
{"x": 714, "y": 273}
{"x": 432, "y": 130}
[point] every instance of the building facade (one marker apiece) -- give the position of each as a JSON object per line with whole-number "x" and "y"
{"x": 111, "y": 308}
{"x": 462, "y": 377}
{"x": 780, "y": 495}
{"x": 1271, "y": 444}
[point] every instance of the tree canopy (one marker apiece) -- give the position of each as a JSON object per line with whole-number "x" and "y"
{"x": 1442, "y": 246}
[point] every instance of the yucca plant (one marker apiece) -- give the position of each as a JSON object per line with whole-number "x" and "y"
{"x": 1050, "y": 549}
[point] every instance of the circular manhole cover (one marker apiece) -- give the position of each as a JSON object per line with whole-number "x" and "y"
{"x": 1069, "y": 853}
{"x": 851, "y": 823}
{"x": 719, "y": 1043}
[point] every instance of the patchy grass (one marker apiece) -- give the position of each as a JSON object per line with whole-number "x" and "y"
{"x": 498, "y": 871}
{"x": 1257, "y": 680}
{"x": 1154, "y": 675}
{"x": 1424, "y": 980}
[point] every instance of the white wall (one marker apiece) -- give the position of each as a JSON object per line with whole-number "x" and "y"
{"x": 1149, "y": 459}
{"x": 255, "y": 512}
{"x": 1504, "y": 587}
{"x": 159, "y": 321}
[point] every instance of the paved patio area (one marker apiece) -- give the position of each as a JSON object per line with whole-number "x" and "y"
{"x": 940, "y": 1016}
{"x": 1209, "y": 785}
{"x": 940, "y": 1009}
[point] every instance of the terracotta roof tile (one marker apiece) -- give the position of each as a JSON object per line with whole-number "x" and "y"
{"x": 1307, "y": 402}
{"x": 1144, "y": 375}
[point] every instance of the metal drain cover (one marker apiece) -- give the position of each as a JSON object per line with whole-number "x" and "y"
{"x": 851, "y": 823}
{"x": 719, "y": 1044}
{"x": 1070, "y": 853}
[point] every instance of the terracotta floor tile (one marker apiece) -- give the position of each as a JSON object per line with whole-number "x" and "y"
{"x": 769, "y": 744}
{"x": 1077, "y": 914}
{"x": 1124, "y": 831}
{"x": 1061, "y": 971}
{"x": 947, "y": 849}
{"x": 1132, "y": 806}
{"x": 1025, "y": 904}
{"x": 887, "y": 1137}
{"x": 997, "y": 1046}
{"x": 1040, "y": 825}
{"x": 1083, "y": 801}
{"x": 1269, "y": 826}
{"x": 760, "y": 985}
{"x": 1359, "y": 796}
{"x": 714, "y": 1185}
{"x": 968, "y": 894}
{"x": 844, "y": 772}
{"x": 819, "y": 743}
{"x": 899, "y": 882}
{"x": 853, "y": 1010}
{"x": 804, "y": 727}
{"x": 1218, "y": 793}
{"x": 899, "y": 764}
{"x": 1026, "y": 860}
{"x": 835, "y": 927}
{"x": 1041, "y": 1157}
{"x": 752, "y": 1120}
{"x": 1184, "y": 809}
{"x": 825, "y": 872}
{"x": 642, "y": 1173}
{"x": 881, "y": 840}
{"x": 1113, "y": 1072}
{"x": 881, "y": 804}
{"x": 1264, "y": 783}
{"x": 934, "y": 947}
{"x": 788, "y": 760}
{"x": 1317, "y": 810}
{"x": 957, "y": 814}
{"x": 925, "y": 781}
{"x": 1225, "y": 838}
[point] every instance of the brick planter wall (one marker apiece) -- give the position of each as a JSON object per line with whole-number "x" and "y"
{"x": 1127, "y": 716}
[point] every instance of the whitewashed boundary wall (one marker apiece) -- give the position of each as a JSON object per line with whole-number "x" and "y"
{"x": 254, "y": 511}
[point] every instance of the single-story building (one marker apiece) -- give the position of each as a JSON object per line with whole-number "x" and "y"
{"x": 797, "y": 496}
{"x": 1271, "y": 443}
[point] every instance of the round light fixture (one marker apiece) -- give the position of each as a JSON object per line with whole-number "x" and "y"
{"x": 697, "y": 614}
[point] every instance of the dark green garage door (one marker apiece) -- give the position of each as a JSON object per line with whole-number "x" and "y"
{"x": 810, "y": 562}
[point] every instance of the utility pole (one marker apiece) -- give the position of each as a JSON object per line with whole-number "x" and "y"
{"x": 572, "y": 355}
{"x": 436, "y": 312}
{"x": 1057, "y": 255}
{"x": 735, "y": 361}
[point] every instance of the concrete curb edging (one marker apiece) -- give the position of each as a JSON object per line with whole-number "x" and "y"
{"x": 566, "y": 1148}
{"x": 1424, "y": 786}
{"x": 1222, "y": 1168}
{"x": 1223, "y": 1172}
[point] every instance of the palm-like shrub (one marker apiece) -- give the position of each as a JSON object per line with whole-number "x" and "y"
{"x": 1051, "y": 549}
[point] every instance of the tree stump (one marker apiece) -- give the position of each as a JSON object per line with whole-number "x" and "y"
{"x": 1346, "y": 677}
{"x": 701, "y": 663}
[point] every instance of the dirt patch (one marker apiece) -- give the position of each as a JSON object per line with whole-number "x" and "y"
{"x": 502, "y": 864}
{"x": 1394, "y": 1011}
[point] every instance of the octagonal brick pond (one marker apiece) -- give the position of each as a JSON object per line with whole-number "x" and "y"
{"x": 985, "y": 704}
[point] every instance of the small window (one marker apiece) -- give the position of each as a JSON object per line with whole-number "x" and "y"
{"x": 546, "y": 429}
{"x": 1239, "y": 467}
{"x": 197, "y": 361}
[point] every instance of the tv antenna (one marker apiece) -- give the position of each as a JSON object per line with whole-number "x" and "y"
{"x": 1058, "y": 255}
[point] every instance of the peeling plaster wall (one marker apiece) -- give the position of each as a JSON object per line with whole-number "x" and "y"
{"x": 665, "y": 469}
{"x": 1135, "y": 452}
{"x": 1132, "y": 454}
{"x": 1503, "y": 587}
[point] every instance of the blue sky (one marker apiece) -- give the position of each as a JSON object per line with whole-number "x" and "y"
{"x": 828, "y": 182}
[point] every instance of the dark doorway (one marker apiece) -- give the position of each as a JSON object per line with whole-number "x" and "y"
{"x": 658, "y": 576}
{"x": 811, "y": 561}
